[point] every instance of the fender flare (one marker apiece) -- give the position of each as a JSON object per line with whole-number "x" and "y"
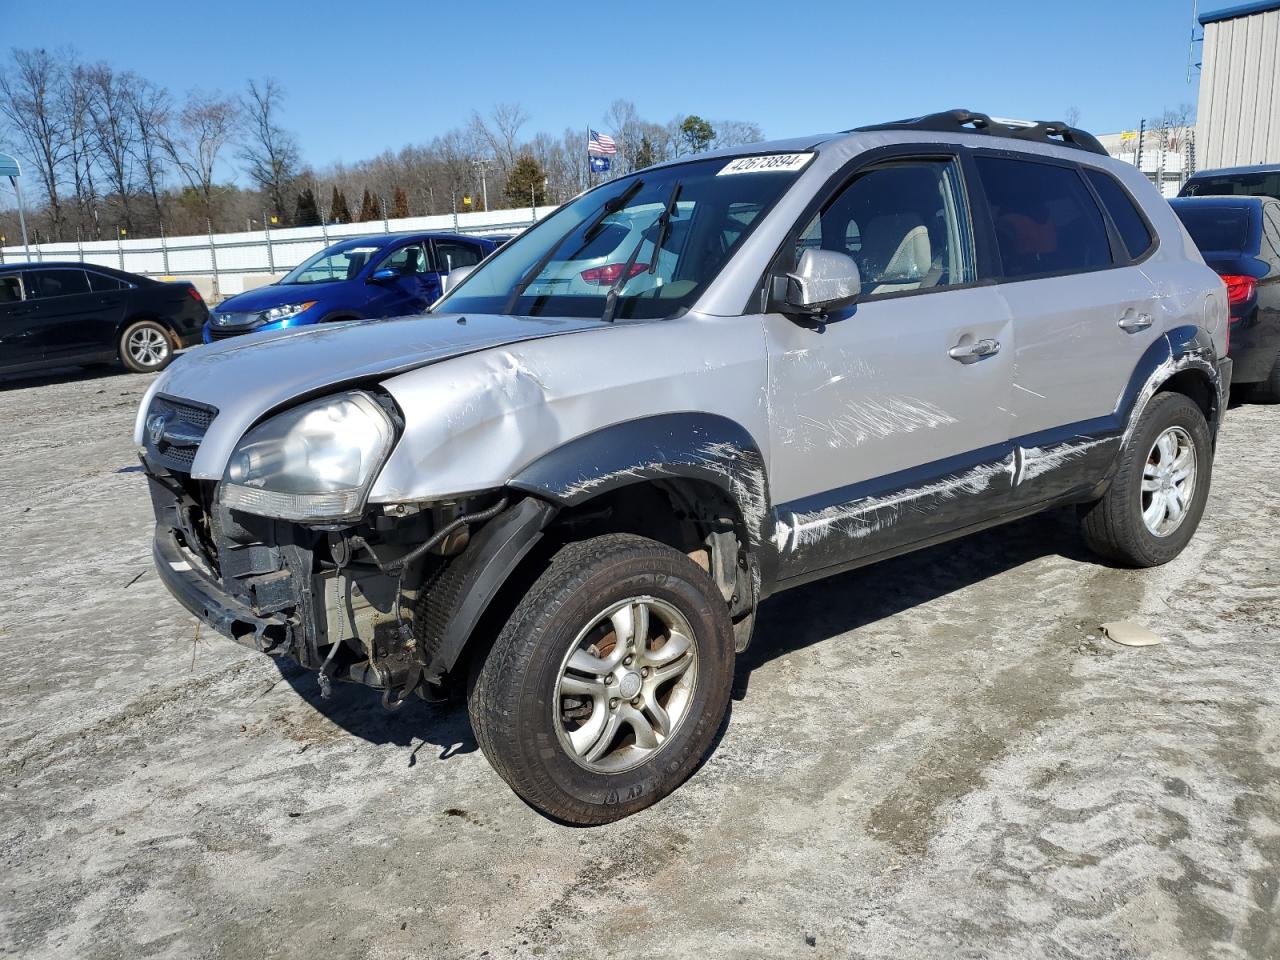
{"x": 1177, "y": 350}
{"x": 698, "y": 446}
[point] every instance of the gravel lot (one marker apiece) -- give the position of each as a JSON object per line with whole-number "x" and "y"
{"x": 935, "y": 757}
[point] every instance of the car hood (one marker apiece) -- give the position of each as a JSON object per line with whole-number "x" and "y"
{"x": 277, "y": 295}
{"x": 245, "y": 378}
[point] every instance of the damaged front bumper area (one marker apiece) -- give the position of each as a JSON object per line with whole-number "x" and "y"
{"x": 341, "y": 598}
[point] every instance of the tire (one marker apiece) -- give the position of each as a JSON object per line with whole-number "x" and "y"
{"x": 145, "y": 347}
{"x": 539, "y": 736}
{"x": 1269, "y": 389}
{"x": 1115, "y": 526}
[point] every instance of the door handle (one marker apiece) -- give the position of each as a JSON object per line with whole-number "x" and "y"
{"x": 1132, "y": 322}
{"x": 974, "y": 350}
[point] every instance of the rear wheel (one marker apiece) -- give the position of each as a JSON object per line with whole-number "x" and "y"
{"x": 607, "y": 686}
{"x": 145, "y": 346}
{"x": 1154, "y": 504}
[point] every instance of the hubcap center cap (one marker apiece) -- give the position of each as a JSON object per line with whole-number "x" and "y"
{"x": 629, "y": 685}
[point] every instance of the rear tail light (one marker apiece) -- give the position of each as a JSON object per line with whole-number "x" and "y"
{"x": 1239, "y": 288}
{"x": 610, "y": 272}
{"x": 195, "y": 294}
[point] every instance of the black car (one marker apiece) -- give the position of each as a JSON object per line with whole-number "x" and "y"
{"x": 1259, "y": 180}
{"x": 1239, "y": 237}
{"x": 61, "y": 314}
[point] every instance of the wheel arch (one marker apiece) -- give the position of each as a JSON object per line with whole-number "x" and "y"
{"x": 1183, "y": 360}
{"x": 138, "y": 316}
{"x": 700, "y": 448}
{"x": 692, "y": 481}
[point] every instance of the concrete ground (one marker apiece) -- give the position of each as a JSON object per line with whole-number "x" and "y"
{"x": 936, "y": 757}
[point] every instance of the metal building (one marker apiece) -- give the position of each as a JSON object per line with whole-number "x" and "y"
{"x": 1238, "y": 117}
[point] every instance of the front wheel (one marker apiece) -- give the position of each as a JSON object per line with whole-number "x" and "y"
{"x": 145, "y": 347}
{"x": 607, "y": 685}
{"x": 1154, "y": 504}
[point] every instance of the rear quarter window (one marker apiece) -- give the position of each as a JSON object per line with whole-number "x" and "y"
{"x": 100, "y": 282}
{"x": 1124, "y": 213}
{"x": 1046, "y": 220}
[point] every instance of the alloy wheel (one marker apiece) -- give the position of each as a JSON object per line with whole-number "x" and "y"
{"x": 626, "y": 685}
{"x": 1168, "y": 481}
{"x": 147, "y": 346}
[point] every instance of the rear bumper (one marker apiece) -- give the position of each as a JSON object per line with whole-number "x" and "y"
{"x": 1255, "y": 347}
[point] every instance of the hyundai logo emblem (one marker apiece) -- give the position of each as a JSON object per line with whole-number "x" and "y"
{"x": 155, "y": 427}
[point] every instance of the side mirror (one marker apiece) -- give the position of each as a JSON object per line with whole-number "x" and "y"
{"x": 823, "y": 281}
{"x": 386, "y": 273}
{"x": 454, "y": 277}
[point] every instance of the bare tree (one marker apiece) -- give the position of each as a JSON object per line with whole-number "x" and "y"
{"x": 501, "y": 133}
{"x": 205, "y": 126}
{"x": 624, "y": 121}
{"x": 150, "y": 111}
{"x": 73, "y": 101}
{"x": 30, "y": 94}
{"x": 1071, "y": 116}
{"x": 114, "y": 131}
{"x": 269, "y": 151}
{"x": 731, "y": 133}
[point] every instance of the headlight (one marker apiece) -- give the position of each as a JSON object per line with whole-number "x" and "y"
{"x": 314, "y": 462}
{"x": 286, "y": 311}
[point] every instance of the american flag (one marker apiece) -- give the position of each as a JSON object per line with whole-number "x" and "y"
{"x": 599, "y": 144}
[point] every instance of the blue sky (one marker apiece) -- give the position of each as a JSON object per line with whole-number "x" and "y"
{"x": 364, "y": 77}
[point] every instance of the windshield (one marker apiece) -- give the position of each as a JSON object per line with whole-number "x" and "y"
{"x": 1215, "y": 227}
{"x": 335, "y": 263}
{"x": 1265, "y": 184}
{"x": 569, "y": 264}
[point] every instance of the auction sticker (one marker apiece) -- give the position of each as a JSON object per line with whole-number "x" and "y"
{"x": 768, "y": 163}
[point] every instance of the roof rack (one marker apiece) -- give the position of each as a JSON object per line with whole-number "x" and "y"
{"x": 966, "y": 121}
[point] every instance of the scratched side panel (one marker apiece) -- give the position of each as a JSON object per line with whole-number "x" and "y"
{"x": 838, "y": 527}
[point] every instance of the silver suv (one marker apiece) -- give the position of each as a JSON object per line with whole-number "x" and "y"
{"x": 565, "y": 500}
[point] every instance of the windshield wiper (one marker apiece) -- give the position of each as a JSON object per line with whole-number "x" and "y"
{"x": 610, "y": 206}
{"x": 663, "y": 223}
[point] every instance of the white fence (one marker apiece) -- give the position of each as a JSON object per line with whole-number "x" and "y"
{"x": 227, "y": 258}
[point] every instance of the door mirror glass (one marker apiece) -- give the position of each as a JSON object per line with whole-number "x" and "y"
{"x": 454, "y": 277}
{"x": 385, "y": 274}
{"x": 823, "y": 280}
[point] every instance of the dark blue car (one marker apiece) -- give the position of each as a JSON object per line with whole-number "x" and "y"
{"x": 1239, "y": 237}
{"x": 388, "y": 275}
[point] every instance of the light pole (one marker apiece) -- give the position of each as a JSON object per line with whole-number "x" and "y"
{"x": 482, "y": 163}
{"x": 9, "y": 168}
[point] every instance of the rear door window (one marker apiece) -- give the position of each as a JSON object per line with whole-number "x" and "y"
{"x": 1124, "y": 213}
{"x": 1046, "y": 220}
{"x": 60, "y": 283}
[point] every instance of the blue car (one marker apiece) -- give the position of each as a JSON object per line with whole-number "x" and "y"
{"x": 388, "y": 275}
